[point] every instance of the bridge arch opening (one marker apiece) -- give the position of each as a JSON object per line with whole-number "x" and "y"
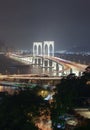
{"x": 35, "y": 49}
{"x": 51, "y": 49}
{"x": 39, "y": 50}
{"x": 46, "y": 49}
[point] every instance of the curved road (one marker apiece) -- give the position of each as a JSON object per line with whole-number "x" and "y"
{"x": 65, "y": 63}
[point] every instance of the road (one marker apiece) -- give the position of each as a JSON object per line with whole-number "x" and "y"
{"x": 56, "y": 59}
{"x": 67, "y": 65}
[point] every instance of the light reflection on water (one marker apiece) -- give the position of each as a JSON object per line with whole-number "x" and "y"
{"x": 8, "y": 89}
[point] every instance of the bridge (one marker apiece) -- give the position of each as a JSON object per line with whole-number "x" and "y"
{"x": 43, "y": 61}
{"x": 32, "y": 78}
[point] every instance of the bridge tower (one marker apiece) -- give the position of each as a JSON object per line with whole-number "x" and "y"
{"x": 48, "y": 48}
{"x": 37, "y": 48}
{"x": 37, "y": 51}
{"x": 43, "y": 49}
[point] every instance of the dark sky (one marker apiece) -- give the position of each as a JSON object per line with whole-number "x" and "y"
{"x": 67, "y": 22}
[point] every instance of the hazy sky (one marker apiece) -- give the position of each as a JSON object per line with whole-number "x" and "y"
{"x": 67, "y": 22}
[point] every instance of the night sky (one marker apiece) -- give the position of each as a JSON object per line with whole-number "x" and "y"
{"x": 67, "y": 22}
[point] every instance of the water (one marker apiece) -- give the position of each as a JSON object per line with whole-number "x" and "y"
{"x": 9, "y": 66}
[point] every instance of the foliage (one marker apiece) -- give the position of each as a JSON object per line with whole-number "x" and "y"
{"x": 18, "y": 111}
{"x": 86, "y": 127}
{"x": 68, "y": 93}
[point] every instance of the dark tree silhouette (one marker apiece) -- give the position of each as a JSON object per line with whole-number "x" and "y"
{"x": 19, "y": 111}
{"x": 86, "y": 73}
{"x": 70, "y": 93}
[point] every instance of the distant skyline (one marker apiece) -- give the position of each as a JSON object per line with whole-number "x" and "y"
{"x": 67, "y": 22}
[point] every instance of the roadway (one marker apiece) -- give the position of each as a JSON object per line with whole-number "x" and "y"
{"x": 67, "y": 65}
{"x": 27, "y": 76}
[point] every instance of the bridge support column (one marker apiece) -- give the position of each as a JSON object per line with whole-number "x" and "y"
{"x": 71, "y": 71}
{"x": 60, "y": 70}
{"x": 57, "y": 69}
{"x": 50, "y": 67}
{"x": 63, "y": 70}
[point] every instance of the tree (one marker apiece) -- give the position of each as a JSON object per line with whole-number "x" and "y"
{"x": 19, "y": 111}
{"x": 86, "y": 127}
{"x": 65, "y": 94}
{"x": 86, "y": 73}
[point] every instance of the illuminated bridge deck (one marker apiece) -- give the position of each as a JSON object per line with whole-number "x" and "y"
{"x": 26, "y": 77}
{"x": 29, "y": 77}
